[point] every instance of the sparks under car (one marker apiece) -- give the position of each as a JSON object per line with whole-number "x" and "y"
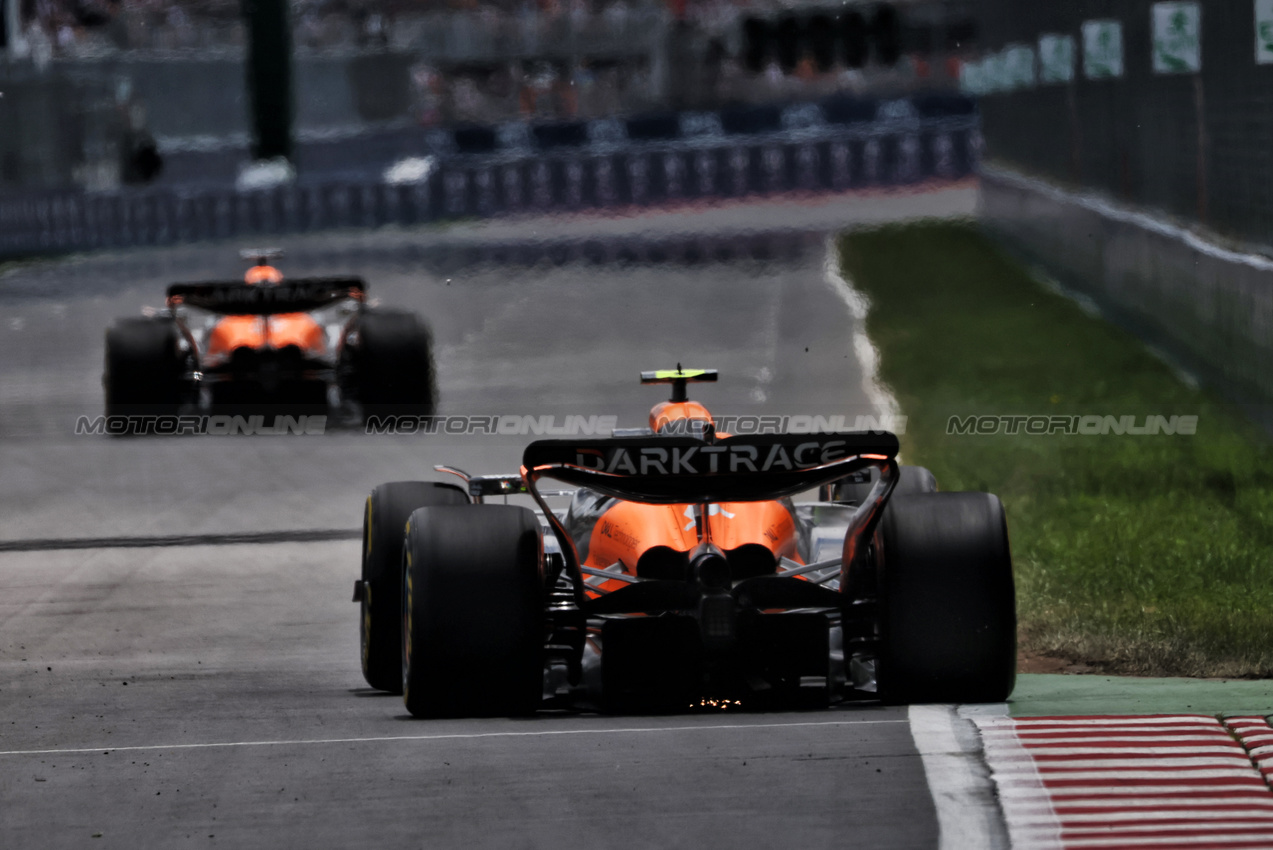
{"x": 304, "y": 344}
{"x": 683, "y": 574}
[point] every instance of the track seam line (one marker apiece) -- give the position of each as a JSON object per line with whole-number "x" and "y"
{"x": 315, "y": 535}
{"x": 442, "y": 737}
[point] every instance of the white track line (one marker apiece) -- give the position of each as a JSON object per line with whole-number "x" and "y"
{"x": 1135, "y": 752}
{"x": 1031, "y": 723}
{"x": 967, "y": 814}
{"x": 1261, "y": 800}
{"x": 1005, "y": 763}
{"x": 1117, "y": 819}
{"x": 877, "y": 393}
{"x": 445, "y": 737}
{"x": 1114, "y": 734}
{"x": 1246, "y": 789}
{"x": 1246, "y": 824}
{"x": 1213, "y": 842}
{"x": 1235, "y": 772}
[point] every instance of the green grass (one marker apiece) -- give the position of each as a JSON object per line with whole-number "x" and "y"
{"x": 1138, "y": 554}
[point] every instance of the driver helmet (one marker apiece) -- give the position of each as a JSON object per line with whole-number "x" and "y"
{"x": 262, "y": 273}
{"x": 680, "y": 417}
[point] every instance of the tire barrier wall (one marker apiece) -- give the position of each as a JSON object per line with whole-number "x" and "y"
{"x": 438, "y": 253}
{"x": 771, "y": 246}
{"x": 817, "y": 160}
{"x": 1209, "y": 307}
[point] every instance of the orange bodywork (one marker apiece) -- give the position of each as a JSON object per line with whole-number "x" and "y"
{"x": 256, "y": 332}
{"x": 628, "y": 529}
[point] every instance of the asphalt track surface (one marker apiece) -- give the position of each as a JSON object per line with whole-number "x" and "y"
{"x": 208, "y": 691}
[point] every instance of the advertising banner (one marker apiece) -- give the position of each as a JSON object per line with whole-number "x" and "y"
{"x": 1177, "y": 32}
{"x": 1102, "y": 49}
{"x": 1264, "y": 32}
{"x": 1019, "y": 70}
{"x": 1056, "y": 58}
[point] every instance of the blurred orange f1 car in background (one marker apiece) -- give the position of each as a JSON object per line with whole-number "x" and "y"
{"x": 267, "y": 342}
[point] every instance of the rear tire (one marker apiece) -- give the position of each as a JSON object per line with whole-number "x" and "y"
{"x": 380, "y": 626}
{"x": 947, "y": 606}
{"x": 393, "y": 365}
{"x": 143, "y": 368}
{"x": 473, "y": 632}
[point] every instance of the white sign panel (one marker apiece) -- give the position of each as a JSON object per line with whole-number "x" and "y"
{"x": 1102, "y": 49}
{"x": 1056, "y": 58}
{"x": 992, "y": 73}
{"x": 1177, "y": 29}
{"x": 1018, "y": 66}
{"x": 985, "y": 76}
{"x": 972, "y": 78}
{"x": 1264, "y": 31}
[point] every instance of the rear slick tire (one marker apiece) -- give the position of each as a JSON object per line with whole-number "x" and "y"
{"x": 473, "y": 612}
{"x": 947, "y": 606}
{"x": 393, "y": 365}
{"x": 143, "y": 368}
{"x": 383, "y": 521}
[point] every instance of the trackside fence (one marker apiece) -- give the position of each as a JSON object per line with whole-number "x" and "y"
{"x": 898, "y": 149}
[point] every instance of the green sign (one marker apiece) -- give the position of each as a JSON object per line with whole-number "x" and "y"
{"x": 1056, "y": 58}
{"x": 1264, "y": 31}
{"x": 1177, "y": 28}
{"x": 1102, "y": 49}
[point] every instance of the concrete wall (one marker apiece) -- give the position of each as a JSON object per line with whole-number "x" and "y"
{"x": 1208, "y": 306}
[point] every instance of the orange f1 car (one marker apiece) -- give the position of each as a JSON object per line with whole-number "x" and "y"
{"x": 297, "y": 343}
{"x": 683, "y": 574}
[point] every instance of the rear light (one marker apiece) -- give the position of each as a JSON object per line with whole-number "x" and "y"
{"x": 711, "y": 571}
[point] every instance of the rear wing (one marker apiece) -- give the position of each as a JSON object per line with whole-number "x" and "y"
{"x": 294, "y": 295}
{"x": 677, "y": 470}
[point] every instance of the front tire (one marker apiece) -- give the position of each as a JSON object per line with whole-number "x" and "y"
{"x": 473, "y": 613}
{"x": 947, "y": 606}
{"x": 380, "y": 626}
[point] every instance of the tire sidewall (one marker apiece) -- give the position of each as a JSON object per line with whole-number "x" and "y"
{"x": 472, "y": 611}
{"x": 946, "y": 601}
{"x": 385, "y": 514}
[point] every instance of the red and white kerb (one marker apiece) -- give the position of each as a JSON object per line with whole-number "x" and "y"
{"x": 1132, "y": 783}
